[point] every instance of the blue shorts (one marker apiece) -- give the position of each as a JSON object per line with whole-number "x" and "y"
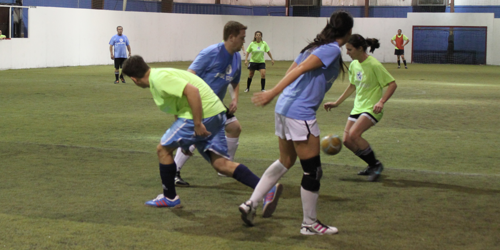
{"x": 181, "y": 134}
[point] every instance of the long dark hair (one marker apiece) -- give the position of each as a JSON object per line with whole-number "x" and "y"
{"x": 338, "y": 26}
{"x": 357, "y": 41}
{"x": 255, "y": 34}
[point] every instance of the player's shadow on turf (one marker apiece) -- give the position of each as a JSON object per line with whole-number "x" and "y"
{"x": 421, "y": 184}
{"x": 229, "y": 227}
{"x": 289, "y": 192}
{"x": 363, "y": 179}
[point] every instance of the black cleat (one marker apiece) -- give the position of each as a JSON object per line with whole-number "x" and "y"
{"x": 179, "y": 181}
{"x": 375, "y": 172}
{"x": 366, "y": 171}
{"x": 123, "y": 79}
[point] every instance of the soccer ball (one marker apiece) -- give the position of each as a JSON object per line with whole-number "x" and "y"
{"x": 331, "y": 144}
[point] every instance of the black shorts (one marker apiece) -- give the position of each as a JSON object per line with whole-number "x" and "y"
{"x": 399, "y": 52}
{"x": 256, "y": 66}
{"x": 356, "y": 116}
{"x": 119, "y": 62}
{"x": 228, "y": 116}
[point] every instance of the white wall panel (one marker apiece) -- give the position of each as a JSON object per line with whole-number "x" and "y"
{"x": 477, "y": 2}
{"x": 72, "y": 37}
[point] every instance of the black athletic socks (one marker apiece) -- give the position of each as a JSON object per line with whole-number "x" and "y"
{"x": 167, "y": 174}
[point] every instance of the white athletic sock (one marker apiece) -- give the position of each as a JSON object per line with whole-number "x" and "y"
{"x": 180, "y": 158}
{"x": 232, "y": 145}
{"x": 270, "y": 177}
{"x": 309, "y": 201}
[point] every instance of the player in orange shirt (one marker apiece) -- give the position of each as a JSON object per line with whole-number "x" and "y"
{"x": 400, "y": 41}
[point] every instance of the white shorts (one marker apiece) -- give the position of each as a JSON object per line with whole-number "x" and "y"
{"x": 294, "y": 130}
{"x": 230, "y": 120}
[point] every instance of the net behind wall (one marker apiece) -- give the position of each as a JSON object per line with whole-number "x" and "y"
{"x": 449, "y": 45}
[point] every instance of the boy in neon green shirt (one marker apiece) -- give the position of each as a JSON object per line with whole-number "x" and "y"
{"x": 200, "y": 121}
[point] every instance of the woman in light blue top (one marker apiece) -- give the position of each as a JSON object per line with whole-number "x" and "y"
{"x": 302, "y": 91}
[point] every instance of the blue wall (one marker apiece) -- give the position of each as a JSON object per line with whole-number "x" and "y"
{"x": 222, "y": 9}
{"x": 429, "y": 39}
{"x": 132, "y": 5}
{"x": 477, "y": 9}
{"x": 359, "y": 11}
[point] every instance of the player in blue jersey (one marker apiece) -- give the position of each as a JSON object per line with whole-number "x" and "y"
{"x": 121, "y": 44}
{"x": 302, "y": 90}
{"x": 219, "y": 65}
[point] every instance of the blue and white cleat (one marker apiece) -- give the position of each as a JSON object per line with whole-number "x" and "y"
{"x": 162, "y": 201}
{"x": 270, "y": 202}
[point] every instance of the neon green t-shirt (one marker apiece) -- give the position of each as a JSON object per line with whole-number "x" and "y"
{"x": 167, "y": 86}
{"x": 369, "y": 77}
{"x": 3, "y": 36}
{"x": 258, "y": 50}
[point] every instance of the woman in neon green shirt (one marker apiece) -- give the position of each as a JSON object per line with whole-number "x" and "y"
{"x": 368, "y": 77}
{"x": 257, "y": 62}
{"x": 2, "y": 36}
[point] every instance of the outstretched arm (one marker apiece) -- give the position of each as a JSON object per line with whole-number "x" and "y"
{"x": 348, "y": 92}
{"x": 263, "y": 98}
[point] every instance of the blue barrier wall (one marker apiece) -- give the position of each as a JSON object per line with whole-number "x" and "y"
{"x": 436, "y": 39}
{"x": 222, "y": 9}
{"x": 477, "y": 9}
{"x": 359, "y": 11}
{"x": 84, "y": 4}
{"x": 132, "y": 5}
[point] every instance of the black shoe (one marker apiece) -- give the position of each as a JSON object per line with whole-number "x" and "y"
{"x": 116, "y": 82}
{"x": 375, "y": 171}
{"x": 123, "y": 80}
{"x": 179, "y": 181}
{"x": 365, "y": 171}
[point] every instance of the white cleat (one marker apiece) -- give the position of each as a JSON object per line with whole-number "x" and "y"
{"x": 317, "y": 228}
{"x": 247, "y": 212}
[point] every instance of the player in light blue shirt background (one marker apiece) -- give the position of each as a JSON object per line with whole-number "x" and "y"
{"x": 118, "y": 46}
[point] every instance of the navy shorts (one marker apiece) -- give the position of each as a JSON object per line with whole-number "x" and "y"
{"x": 399, "y": 52}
